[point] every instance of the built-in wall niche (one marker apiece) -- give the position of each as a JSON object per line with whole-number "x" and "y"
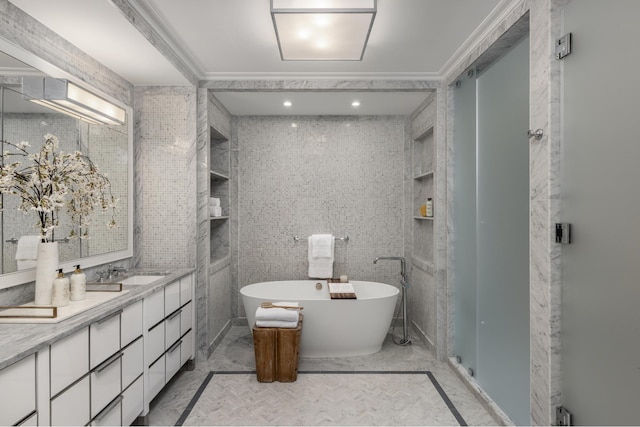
{"x": 109, "y": 146}
{"x": 219, "y": 172}
{"x": 423, "y": 190}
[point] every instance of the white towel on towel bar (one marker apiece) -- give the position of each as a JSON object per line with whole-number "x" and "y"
{"x": 321, "y": 256}
{"x": 276, "y": 324}
{"x": 276, "y": 314}
{"x": 27, "y": 247}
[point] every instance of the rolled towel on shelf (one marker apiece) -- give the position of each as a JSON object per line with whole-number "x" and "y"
{"x": 276, "y": 314}
{"x": 276, "y": 324}
{"x": 214, "y": 201}
{"x": 215, "y": 211}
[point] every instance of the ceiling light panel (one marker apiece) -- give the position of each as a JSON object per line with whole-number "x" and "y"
{"x": 316, "y": 30}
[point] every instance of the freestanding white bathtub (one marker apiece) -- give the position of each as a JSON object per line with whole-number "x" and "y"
{"x": 331, "y": 328}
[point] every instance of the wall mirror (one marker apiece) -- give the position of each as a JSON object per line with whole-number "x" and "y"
{"x": 109, "y": 146}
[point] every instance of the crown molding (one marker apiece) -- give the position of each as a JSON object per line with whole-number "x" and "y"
{"x": 214, "y": 76}
{"x": 486, "y": 27}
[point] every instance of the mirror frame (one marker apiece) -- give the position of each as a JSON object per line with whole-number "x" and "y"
{"x": 26, "y": 276}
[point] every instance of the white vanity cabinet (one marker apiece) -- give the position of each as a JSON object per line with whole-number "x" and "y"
{"x": 96, "y": 373}
{"x": 18, "y": 392}
{"x": 168, "y": 342}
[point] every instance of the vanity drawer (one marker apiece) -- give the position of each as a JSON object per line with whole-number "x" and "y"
{"x": 105, "y": 383}
{"x": 71, "y": 408}
{"x": 186, "y": 349}
{"x": 156, "y": 378}
{"x": 172, "y": 297}
{"x": 153, "y": 307}
{"x": 132, "y": 402}
{"x": 173, "y": 361}
{"x": 111, "y": 415}
{"x": 132, "y": 362}
{"x": 131, "y": 323}
{"x": 186, "y": 316}
{"x": 69, "y": 360}
{"x": 104, "y": 339}
{"x": 18, "y": 391}
{"x": 172, "y": 329}
{"x": 154, "y": 344}
{"x": 185, "y": 289}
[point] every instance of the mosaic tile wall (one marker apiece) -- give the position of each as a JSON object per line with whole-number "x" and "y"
{"x": 306, "y": 175}
{"x": 165, "y": 178}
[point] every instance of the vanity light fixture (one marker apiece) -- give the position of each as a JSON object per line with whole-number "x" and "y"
{"x": 355, "y": 104}
{"x": 287, "y": 104}
{"x": 67, "y": 97}
{"x": 322, "y": 30}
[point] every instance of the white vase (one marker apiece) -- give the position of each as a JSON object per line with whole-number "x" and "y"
{"x": 46, "y": 271}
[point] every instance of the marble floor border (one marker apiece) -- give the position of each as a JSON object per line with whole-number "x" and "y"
{"x": 443, "y": 395}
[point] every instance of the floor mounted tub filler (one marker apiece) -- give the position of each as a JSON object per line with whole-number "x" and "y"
{"x": 332, "y": 327}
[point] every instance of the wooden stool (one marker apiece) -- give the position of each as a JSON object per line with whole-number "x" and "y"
{"x": 277, "y": 353}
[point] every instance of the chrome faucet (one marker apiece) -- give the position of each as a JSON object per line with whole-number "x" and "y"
{"x": 114, "y": 271}
{"x": 396, "y": 258}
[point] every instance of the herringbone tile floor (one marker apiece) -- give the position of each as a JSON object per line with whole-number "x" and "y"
{"x": 391, "y": 387}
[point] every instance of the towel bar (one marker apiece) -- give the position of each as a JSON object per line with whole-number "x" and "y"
{"x": 14, "y": 240}
{"x": 344, "y": 239}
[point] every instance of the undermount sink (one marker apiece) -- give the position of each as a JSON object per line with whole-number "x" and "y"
{"x": 140, "y": 280}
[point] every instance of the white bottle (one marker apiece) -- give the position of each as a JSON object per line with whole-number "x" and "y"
{"x": 78, "y": 284}
{"x": 60, "y": 293}
{"x": 429, "y": 206}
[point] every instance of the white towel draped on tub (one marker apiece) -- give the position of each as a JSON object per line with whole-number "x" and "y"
{"x": 27, "y": 252}
{"x": 321, "y": 256}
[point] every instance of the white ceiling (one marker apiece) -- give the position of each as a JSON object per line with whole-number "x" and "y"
{"x": 234, "y": 39}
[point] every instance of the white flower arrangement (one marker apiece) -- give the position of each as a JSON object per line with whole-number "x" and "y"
{"x": 51, "y": 180}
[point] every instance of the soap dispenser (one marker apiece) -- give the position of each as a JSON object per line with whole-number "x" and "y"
{"x": 60, "y": 293}
{"x": 78, "y": 284}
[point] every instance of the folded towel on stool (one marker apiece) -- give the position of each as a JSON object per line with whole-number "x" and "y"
{"x": 276, "y": 314}
{"x": 277, "y": 323}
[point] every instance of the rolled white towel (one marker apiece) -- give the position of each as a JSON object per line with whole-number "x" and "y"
{"x": 214, "y": 201}
{"x": 278, "y": 314}
{"x": 215, "y": 211}
{"x": 276, "y": 324}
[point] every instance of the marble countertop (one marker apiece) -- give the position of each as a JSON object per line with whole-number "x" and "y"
{"x": 20, "y": 340}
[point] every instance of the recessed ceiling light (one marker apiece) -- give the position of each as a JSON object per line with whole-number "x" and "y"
{"x": 287, "y": 103}
{"x": 355, "y": 104}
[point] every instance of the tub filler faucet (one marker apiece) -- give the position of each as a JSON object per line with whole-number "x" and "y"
{"x": 395, "y": 258}
{"x": 405, "y": 340}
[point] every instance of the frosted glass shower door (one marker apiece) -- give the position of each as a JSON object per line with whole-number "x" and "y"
{"x": 464, "y": 211}
{"x": 601, "y": 172}
{"x": 503, "y": 232}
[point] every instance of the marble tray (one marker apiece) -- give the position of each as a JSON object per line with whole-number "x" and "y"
{"x": 30, "y": 313}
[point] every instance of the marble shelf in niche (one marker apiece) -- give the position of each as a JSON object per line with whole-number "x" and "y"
{"x": 426, "y": 218}
{"x": 423, "y": 175}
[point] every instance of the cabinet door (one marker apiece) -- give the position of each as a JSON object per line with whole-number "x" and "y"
{"x": 32, "y": 421}
{"x": 18, "y": 391}
{"x": 132, "y": 362}
{"x": 105, "y": 384}
{"x": 131, "y": 323}
{"x": 69, "y": 360}
{"x": 172, "y": 361}
{"x": 172, "y": 329}
{"x": 132, "y": 402}
{"x": 111, "y": 415}
{"x": 186, "y": 285}
{"x": 153, "y": 308}
{"x": 186, "y": 316}
{"x": 156, "y": 378}
{"x": 104, "y": 339}
{"x": 154, "y": 344}
{"x": 171, "y": 297}
{"x": 186, "y": 349}
{"x": 71, "y": 408}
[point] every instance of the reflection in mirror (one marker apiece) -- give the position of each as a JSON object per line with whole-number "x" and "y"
{"x": 106, "y": 145}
